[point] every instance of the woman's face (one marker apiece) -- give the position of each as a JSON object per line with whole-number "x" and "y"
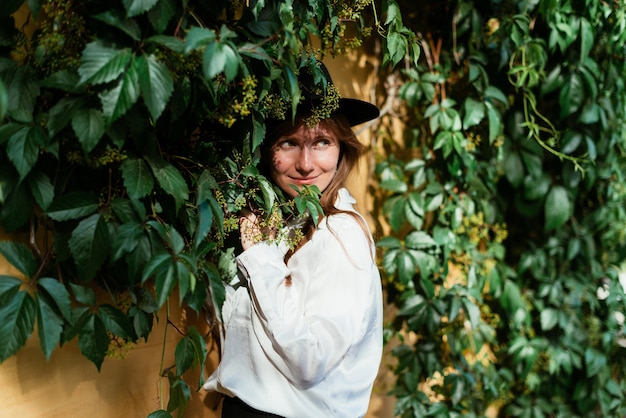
{"x": 308, "y": 156}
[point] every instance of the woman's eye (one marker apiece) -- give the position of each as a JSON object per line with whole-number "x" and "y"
{"x": 286, "y": 144}
{"x": 322, "y": 143}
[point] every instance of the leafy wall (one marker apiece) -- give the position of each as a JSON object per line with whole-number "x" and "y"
{"x": 505, "y": 200}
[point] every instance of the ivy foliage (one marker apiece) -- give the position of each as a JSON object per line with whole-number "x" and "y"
{"x": 506, "y": 241}
{"x": 129, "y": 142}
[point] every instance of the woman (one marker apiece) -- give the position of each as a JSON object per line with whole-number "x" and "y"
{"x": 303, "y": 328}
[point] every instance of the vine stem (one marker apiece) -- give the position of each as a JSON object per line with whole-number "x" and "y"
{"x": 160, "y": 389}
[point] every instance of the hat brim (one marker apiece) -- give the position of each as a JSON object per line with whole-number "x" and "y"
{"x": 357, "y": 111}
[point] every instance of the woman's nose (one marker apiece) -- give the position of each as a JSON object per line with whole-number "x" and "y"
{"x": 304, "y": 163}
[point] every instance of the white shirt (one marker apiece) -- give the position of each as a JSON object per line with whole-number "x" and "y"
{"x": 312, "y": 347}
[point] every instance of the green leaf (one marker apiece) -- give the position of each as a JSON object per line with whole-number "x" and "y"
{"x": 586, "y": 38}
{"x": 513, "y": 168}
{"x": 558, "y": 208}
{"x": 58, "y": 294}
{"x": 170, "y": 180}
{"x": 115, "y": 321}
{"x": 156, "y": 84}
{"x": 184, "y": 355}
{"x": 549, "y": 318}
{"x": 219, "y": 57}
{"x": 474, "y": 113}
{"x": 89, "y": 127}
{"x": 49, "y": 327}
{"x": 4, "y": 101}
{"x": 419, "y": 240}
{"x": 63, "y": 80}
{"x": 19, "y": 256}
{"x": 495, "y": 122}
{"x": 125, "y": 93}
{"x": 18, "y": 320}
{"x": 61, "y": 114}
{"x": 73, "y": 205}
{"x": 16, "y": 209}
{"x": 93, "y": 340}
{"x": 23, "y": 148}
{"x": 396, "y": 47}
{"x": 89, "y": 244}
{"x": 138, "y": 180}
{"x": 389, "y": 242}
{"x": 137, "y": 7}
{"x": 160, "y": 414}
{"x": 9, "y": 286}
{"x": 103, "y": 63}
{"x": 83, "y": 294}
{"x": 227, "y": 265}
{"x": 595, "y": 361}
{"x": 179, "y": 394}
{"x": 198, "y": 37}
{"x": 22, "y": 92}
{"x": 161, "y": 14}
{"x": 41, "y": 188}
{"x": 118, "y": 20}
{"x": 126, "y": 239}
{"x": 165, "y": 281}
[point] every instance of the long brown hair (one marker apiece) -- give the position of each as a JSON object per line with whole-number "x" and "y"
{"x": 350, "y": 150}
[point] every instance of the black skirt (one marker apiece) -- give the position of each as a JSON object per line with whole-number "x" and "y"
{"x": 236, "y": 408}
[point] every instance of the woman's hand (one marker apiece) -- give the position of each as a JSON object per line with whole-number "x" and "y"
{"x": 252, "y": 232}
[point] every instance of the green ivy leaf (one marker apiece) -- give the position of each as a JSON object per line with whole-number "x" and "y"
{"x": 41, "y": 188}
{"x": 4, "y": 101}
{"x": 103, "y": 63}
{"x": 93, "y": 340}
{"x": 115, "y": 321}
{"x": 19, "y": 256}
{"x": 17, "y": 208}
{"x": 184, "y": 355}
{"x": 549, "y": 318}
{"x": 84, "y": 295}
{"x": 64, "y": 80}
{"x": 137, "y": 7}
{"x": 58, "y": 294}
{"x": 23, "y": 148}
{"x": 179, "y": 394}
{"x": 419, "y": 240}
{"x": 18, "y": 320}
{"x": 49, "y": 326}
{"x": 513, "y": 169}
{"x": 165, "y": 280}
{"x": 126, "y": 239}
{"x": 138, "y": 180}
{"x": 198, "y": 37}
{"x": 217, "y": 58}
{"x": 89, "y": 127}
{"x": 61, "y": 114}
{"x": 160, "y": 414}
{"x": 125, "y": 93}
{"x": 170, "y": 180}
{"x": 9, "y": 286}
{"x": 156, "y": 84}
{"x": 22, "y": 92}
{"x": 89, "y": 245}
{"x": 161, "y": 14}
{"x": 118, "y": 20}
{"x": 558, "y": 208}
{"x": 474, "y": 113}
{"x": 73, "y": 206}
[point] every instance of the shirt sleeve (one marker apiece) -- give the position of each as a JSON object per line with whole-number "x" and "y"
{"x": 306, "y": 324}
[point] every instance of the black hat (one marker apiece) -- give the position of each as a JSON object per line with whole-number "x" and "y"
{"x": 320, "y": 98}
